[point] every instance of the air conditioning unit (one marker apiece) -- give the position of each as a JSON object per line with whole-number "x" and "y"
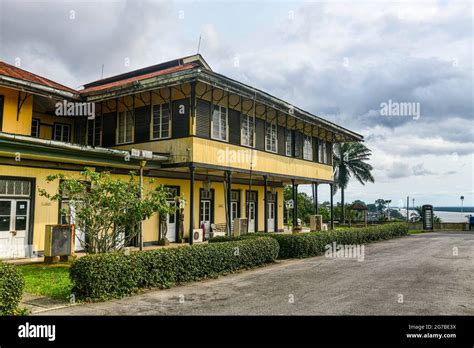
{"x": 197, "y": 235}
{"x": 240, "y": 227}
{"x": 59, "y": 241}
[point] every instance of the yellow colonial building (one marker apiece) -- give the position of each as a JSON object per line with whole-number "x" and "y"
{"x": 227, "y": 147}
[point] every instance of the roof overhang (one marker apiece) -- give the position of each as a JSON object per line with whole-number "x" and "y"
{"x": 56, "y": 151}
{"x": 36, "y": 88}
{"x": 220, "y": 81}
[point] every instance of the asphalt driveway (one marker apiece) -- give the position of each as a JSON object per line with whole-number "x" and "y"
{"x": 423, "y": 274}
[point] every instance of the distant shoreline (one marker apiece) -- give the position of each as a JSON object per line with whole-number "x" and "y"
{"x": 452, "y": 209}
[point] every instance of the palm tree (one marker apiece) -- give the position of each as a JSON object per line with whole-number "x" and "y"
{"x": 350, "y": 159}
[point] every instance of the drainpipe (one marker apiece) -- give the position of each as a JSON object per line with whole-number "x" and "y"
{"x": 142, "y": 165}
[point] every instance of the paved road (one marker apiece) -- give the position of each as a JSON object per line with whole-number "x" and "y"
{"x": 421, "y": 268}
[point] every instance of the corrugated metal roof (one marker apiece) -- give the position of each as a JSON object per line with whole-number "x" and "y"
{"x": 17, "y": 73}
{"x": 126, "y": 81}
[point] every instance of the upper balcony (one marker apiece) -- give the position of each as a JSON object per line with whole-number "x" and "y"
{"x": 184, "y": 109}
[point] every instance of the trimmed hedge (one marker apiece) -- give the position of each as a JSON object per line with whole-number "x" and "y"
{"x": 114, "y": 275}
{"x": 11, "y": 289}
{"x": 314, "y": 243}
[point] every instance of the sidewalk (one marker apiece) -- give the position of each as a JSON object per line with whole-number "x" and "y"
{"x": 38, "y": 304}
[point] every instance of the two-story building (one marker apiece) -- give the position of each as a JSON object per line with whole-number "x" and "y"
{"x": 227, "y": 147}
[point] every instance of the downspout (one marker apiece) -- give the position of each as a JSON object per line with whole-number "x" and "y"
{"x": 142, "y": 165}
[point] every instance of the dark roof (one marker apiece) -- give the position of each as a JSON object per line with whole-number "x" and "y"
{"x": 20, "y": 74}
{"x": 134, "y": 76}
{"x": 358, "y": 206}
{"x": 147, "y": 72}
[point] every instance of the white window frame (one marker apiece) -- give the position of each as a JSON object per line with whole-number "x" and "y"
{"x": 219, "y": 110}
{"x": 289, "y": 151}
{"x": 63, "y": 126}
{"x": 245, "y": 138}
{"x": 308, "y": 147}
{"x": 160, "y": 122}
{"x": 322, "y": 152}
{"x": 37, "y": 121}
{"x": 273, "y": 128}
{"x": 93, "y": 128}
{"x": 123, "y": 114}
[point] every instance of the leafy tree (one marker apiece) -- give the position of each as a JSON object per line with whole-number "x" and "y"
{"x": 350, "y": 160}
{"x": 305, "y": 205}
{"x": 108, "y": 210}
{"x": 380, "y": 205}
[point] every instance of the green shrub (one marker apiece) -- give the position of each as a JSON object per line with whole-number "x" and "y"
{"x": 11, "y": 289}
{"x": 314, "y": 243}
{"x": 114, "y": 275}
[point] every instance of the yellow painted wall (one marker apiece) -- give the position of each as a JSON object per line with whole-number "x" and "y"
{"x": 219, "y": 153}
{"x": 10, "y": 122}
{"x": 180, "y": 149}
{"x": 46, "y": 211}
{"x": 47, "y": 125}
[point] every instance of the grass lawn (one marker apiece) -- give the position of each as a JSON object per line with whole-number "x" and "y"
{"x": 48, "y": 280}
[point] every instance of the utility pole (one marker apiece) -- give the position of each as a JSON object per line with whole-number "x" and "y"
{"x": 462, "y": 204}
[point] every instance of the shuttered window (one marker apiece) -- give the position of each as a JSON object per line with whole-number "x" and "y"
{"x": 307, "y": 148}
{"x": 125, "y": 124}
{"x": 161, "y": 121}
{"x": 271, "y": 137}
{"x": 247, "y": 129}
{"x": 322, "y": 152}
{"x": 219, "y": 123}
{"x": 289, "y": 143}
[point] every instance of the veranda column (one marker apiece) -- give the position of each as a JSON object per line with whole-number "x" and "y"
{"x": 293, "y": 187}
{"x": 332, "y": 205}
{"x": 191, "y": 203}
{"x": 229, "y": 202}
{"x": 265, "y": 199}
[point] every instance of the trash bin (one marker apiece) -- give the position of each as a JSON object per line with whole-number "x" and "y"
{"x": 471, "y": 222}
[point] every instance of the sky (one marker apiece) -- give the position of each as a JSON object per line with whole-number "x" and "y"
{"x": 342, "y": 60}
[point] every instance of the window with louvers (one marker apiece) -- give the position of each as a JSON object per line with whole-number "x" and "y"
{"x": 203, "y": 118}
{"x": 260, "y": 134}
{"x": 298, "y": 144}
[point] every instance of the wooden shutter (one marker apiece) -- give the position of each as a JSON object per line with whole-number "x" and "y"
{"x": 298, "y": 144}
{"x": 142, "y": 123}
{"x": 203, "y": 118}
{"x": 109, "y": 125}
{"x": 315, "y": 149}
{"x": 259, "y": 134}
{"x": 180, "y": 118}
{"x": 234, "y": 126}
{"x": 281, "y": 140}
{"x": 329, "y": 153}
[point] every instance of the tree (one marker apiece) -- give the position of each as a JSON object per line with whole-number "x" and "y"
{"x": 305, "y": 204}
{"x": 350, "y": 160}
{"x": 108, "y": 210}
{"x": 380, "y": 205}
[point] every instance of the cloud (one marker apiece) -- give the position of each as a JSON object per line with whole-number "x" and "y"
{"x": 339, "y": 60}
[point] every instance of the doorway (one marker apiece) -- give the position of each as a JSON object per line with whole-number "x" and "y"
{"x": 14, "y": 226}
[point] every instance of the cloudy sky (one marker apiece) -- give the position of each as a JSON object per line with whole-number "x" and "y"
{"x": 341, "y": 60}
